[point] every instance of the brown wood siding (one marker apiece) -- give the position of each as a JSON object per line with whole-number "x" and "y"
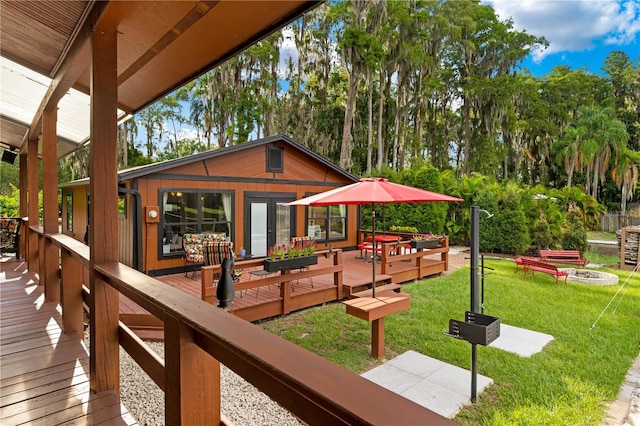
{"x": 79, "y": 212}
{"x": 240, "y": 171}
{"x": 125, "y": 229}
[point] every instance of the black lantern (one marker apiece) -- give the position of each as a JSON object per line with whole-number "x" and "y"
{"x": 225, "y": 290}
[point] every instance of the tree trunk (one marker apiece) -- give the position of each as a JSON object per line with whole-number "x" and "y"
{"x": 572, "y": 165}
{"x": 370, "y": 124}
{"x": 466, "y": 136}
{"x": 347, "y": 138}
{"x": 596, "y": 168}
{"x": 381, "y": 144}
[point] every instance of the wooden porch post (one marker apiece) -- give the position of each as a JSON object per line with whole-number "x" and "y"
{"x": 50, "y": 204}
{"x": 34, "y": 215}
{"x": 104, "y": 301}
{"x": 24, "y": 207}
{"x": 192, "y": 379}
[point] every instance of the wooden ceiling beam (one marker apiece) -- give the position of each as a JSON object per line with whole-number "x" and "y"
{"x": 197, "y": 12}
{"x": 72, "y": 66}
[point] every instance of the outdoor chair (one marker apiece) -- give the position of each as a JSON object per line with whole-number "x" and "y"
{"x": 10, "y": 235}
{"x": 193, "y": 248}
{"x": 215, "y": 252}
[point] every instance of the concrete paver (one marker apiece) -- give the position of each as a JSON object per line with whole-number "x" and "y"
{"x": 446, "y": 388}
{"x": 520, "y": 340}
{"x": 436, "y": 385}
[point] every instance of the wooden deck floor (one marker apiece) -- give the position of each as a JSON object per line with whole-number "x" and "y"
{"x": 357, "y": 275}
{"x": 44, "y": 374}
{"x": 253, "y": 304}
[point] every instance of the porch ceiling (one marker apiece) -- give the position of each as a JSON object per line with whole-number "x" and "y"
{"x": 161, "y": 46}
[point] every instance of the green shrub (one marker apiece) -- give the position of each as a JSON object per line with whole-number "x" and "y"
{"x": 513, "y": 235}
{"x": 489, "y": 231}
{"x": 424, "y": 217}
{"x": 10, "y": 204}
{"x": 427, "y": 217}
{"x": 574, "y": 236}
{"x": 411, "y": 229}
{"x": 541, "y": 234}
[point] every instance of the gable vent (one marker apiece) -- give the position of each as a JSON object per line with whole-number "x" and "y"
{"x": 275, "y": 159}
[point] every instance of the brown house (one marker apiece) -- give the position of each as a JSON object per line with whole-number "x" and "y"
{"x": 237, "y": 190}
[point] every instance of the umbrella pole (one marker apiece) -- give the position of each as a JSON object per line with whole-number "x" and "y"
{"x": 373, "y": 250}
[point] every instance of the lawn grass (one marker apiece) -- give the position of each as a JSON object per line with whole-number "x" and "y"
{"x": 602, "y": 259}
{"x": 601, "y": 236}
{"x": 569, "y": 382}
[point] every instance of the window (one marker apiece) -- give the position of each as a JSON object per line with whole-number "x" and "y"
{"x": 327, "y": 223}
{"x": 193, "y": 212}
{"x": 122, "y": 206}
{"x": 69, "y": 202}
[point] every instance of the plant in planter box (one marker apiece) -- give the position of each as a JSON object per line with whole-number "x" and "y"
{"x": 298, "y": 254}
{"x": 419, "y": 241}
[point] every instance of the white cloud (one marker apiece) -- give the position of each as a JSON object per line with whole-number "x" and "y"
{"x": 187, "y": 133}
{"x": 573, "y": 25}
{"x": 288, "y": 51}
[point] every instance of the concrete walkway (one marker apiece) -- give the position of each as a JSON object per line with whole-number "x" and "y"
{"x": 521, "y": 341}
{"x": 436, "y": 385}
{"x": 625, "y": 410}
{"x": 446, "y": 388}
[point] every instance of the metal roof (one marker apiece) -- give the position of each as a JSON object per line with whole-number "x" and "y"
{"x": 149, "y": 169}
{"x": 21, "y": 92}
{"x": 46, "y": 55}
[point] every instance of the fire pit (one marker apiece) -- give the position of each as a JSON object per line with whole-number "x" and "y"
{"x": 589, "y": 276}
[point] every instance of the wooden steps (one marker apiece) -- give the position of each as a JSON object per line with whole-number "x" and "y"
{"x": 387, "y": 288}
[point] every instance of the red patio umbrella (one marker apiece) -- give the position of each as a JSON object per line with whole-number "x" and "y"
{"x": 374, "y": 191}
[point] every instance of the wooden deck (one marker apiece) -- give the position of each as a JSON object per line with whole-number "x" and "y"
{"x": 259, "y": 303}
{"x": 44, "y": 373}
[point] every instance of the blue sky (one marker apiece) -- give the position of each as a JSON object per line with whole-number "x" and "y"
{"x": 581, "y": 33}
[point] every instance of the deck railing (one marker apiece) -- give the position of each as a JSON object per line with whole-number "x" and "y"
{"x": 199, "y": 336}
{"x": 399, "y": 251}
{"x": 282, "y": 280}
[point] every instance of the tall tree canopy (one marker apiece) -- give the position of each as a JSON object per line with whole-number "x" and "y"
{"x": 374, "y": 85}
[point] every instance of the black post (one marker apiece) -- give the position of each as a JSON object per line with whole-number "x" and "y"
{"x": 225, "y": 291}
{"x": 475, "y": 249}
{"x": 482, "y": 282}
{"x": 373, "y": 249}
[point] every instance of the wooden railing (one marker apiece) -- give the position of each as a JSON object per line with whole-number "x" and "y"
{"x": 199, "y": 336}
{"x": 283, "y": 279}
{"x": 398, "y": 251}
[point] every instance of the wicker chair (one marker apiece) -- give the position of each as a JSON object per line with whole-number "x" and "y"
{"x": 10, "y": 235}
{"x": 194, "y": 250}
{"x": 214, "y": 254}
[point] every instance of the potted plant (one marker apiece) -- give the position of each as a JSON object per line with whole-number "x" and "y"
{"x": 420, "y": 241}
{"x": 298, "y": 254}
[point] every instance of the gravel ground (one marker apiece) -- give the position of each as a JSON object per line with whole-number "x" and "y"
{"x": 241, "y": 401}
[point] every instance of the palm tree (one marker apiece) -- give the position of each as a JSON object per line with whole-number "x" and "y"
{"x": 572, "y": 148}
{"x": 611, "y": 137}
{"x": 626, "y": 176}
